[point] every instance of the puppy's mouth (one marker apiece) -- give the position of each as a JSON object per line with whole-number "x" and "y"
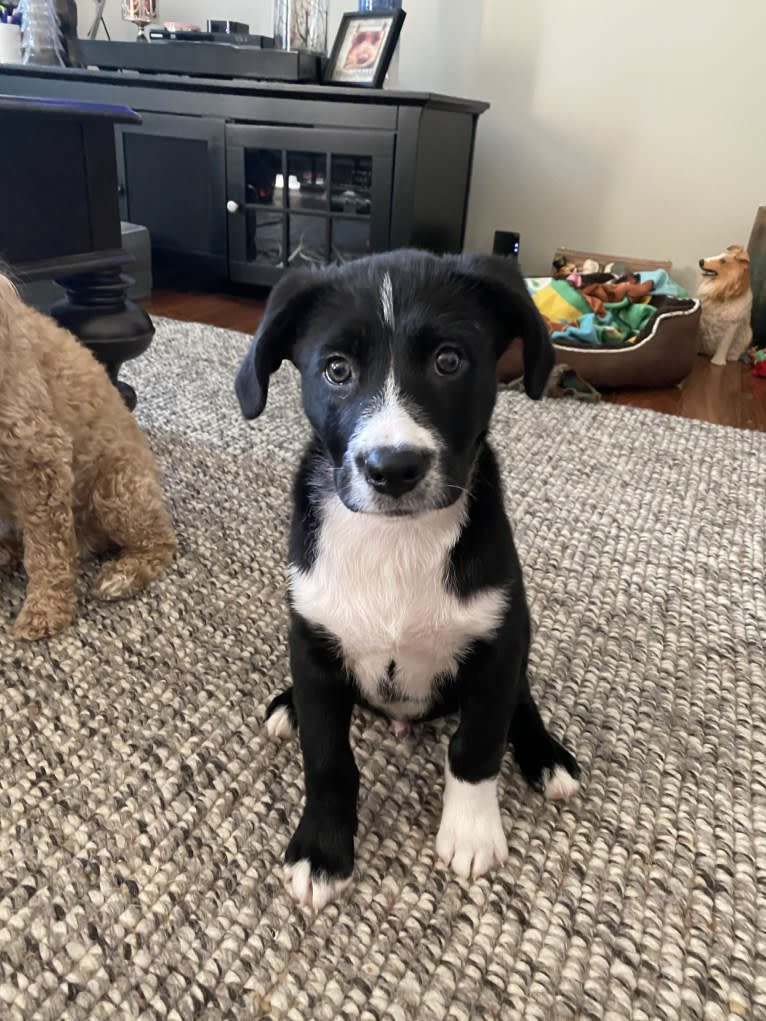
{"x": 706, "y": 271}
{"x": 393, "y": 512}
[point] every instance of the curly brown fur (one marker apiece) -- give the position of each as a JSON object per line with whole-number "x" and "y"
{"x": 75, "y": 472}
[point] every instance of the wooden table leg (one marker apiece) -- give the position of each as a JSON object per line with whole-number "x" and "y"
{"x": 98, "y": 312}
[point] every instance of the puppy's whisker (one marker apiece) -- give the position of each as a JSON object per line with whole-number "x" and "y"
{"x": 459, "y": 489}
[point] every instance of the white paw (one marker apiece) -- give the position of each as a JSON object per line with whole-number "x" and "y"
{"x": 311, "y": 891}
{"x": 279, "y": 726}
{"x": 558, "y": 785}
{"x": 470, "y": 837}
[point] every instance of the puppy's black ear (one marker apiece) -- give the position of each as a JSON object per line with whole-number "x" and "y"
{"x": 284, "y": 317}
{"x": 502, "y": 291}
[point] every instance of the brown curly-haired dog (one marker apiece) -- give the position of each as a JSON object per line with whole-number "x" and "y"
{"x": 75, "y": 472}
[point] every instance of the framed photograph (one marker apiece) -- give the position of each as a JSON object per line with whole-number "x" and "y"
{"x": 363, "y": 48}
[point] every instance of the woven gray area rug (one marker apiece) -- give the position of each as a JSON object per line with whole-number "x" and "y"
{"x": 144, "y": 812}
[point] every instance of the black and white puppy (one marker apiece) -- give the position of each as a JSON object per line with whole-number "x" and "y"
{"x": 405, "y": 590}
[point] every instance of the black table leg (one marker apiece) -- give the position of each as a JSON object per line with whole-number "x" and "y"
{"x": 97, "y": 311}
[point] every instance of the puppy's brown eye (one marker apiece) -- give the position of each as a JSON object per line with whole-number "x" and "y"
{"x": 448, "y": 361}
{"x": 338, "y": 371}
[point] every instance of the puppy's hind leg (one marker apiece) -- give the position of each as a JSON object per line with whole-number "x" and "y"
{"x": 281, "y": 720}
{"x": 130, "y": 510}
{"x": 547, "y": 765}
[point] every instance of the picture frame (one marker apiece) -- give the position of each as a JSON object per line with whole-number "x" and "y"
{"x": 363, "y": 48}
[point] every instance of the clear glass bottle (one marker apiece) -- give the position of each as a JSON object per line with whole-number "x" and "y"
{"x": 40, "y": 34}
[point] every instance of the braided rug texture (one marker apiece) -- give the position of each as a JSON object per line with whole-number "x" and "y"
{"x": 144, "y": 813}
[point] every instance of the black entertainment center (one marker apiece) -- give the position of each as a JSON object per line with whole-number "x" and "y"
{"x": 238, "y": 178}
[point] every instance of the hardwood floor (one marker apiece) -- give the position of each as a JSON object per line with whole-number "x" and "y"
{"x": 230, "y": 311}
{"x": 725, "y": 395}
{"x": 730, "y": 395}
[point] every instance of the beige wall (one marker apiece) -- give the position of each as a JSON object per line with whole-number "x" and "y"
{"x": 632, "y": 128}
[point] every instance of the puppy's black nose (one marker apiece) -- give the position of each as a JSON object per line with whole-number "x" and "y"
{"x": 702, "y": 263}
{"x": 396, "y": 470}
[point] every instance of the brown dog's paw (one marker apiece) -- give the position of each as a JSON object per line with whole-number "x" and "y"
{"x": 130, "y": 572}
{"x": 38, "y": 620}
{"x": 116, "y": 580}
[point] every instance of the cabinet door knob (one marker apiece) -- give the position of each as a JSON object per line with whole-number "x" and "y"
{"x": 232, "y": 206}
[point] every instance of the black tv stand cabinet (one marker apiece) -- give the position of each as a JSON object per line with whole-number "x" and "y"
{"x": 238, "y": 179}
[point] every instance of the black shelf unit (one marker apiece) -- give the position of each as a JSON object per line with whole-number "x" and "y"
{"x": 238, "y": 179}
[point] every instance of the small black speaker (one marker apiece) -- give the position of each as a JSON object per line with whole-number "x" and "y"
{"x": 506, "y": 243}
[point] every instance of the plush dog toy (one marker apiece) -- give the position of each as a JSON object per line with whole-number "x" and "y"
{"x": 726, "y": 298}
{"x": 759, "y": 363}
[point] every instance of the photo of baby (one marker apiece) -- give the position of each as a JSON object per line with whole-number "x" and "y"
{"x": 364, "y": 48}
{"x": 361, "y": 49}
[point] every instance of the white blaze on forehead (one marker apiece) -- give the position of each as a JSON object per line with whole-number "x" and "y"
{"x": 387, "y": 301}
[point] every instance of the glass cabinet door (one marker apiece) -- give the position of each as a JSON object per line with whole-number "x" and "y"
{"x": 302, "y": 197}
{"x": 351, "y": 179}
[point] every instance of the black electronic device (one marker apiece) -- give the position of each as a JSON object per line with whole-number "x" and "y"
{"x": 200, "y": 56}
{"x": 198, "y": 36}
{"x": 225, "y": 27}
{"x": 507, "y": 242}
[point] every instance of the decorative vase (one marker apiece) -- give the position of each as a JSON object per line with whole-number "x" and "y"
{"x": 141, "y": 13}
{"x": 300, "y": 25}
{"x": 40, "y": 34}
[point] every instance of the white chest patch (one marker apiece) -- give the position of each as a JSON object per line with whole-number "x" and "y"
{"x": 377, "y": 584}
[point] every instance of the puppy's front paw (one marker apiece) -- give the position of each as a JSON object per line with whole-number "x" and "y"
{"x": 41, "y": 619}
{"x": 312, "y": 889}
{"x": 319, "y": 860}
{"x": 471, "y": 838}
